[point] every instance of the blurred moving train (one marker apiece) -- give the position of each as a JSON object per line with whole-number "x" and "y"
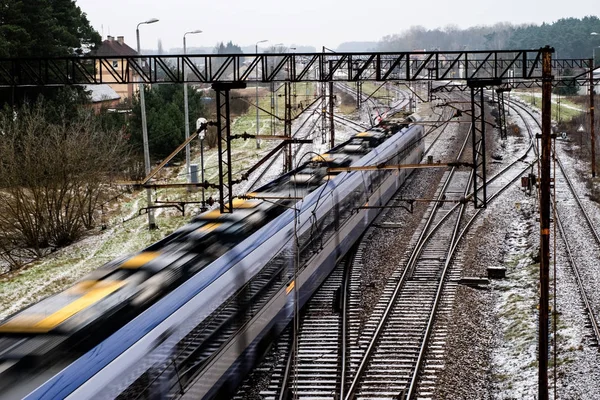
{"x": 191, "y": 313}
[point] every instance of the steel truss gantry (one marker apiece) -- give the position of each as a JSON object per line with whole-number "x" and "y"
{"x": 521, "y": 65}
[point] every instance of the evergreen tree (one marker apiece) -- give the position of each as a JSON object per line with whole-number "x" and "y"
{"x": 43, "y": 28}
{"x": 34, "y": 28}
{"x": 569, "y": 87}
{"x": 165, "y": 118}
{"x": 228, "y": 48}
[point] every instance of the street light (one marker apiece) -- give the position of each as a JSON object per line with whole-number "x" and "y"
{"x": 274, "y": 101}
{"x": 257, "y": 140}
{"x": 151, "y": 223}
{"x": 186, "y": 112}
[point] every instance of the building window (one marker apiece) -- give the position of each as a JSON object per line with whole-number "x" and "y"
{"x": 115, "y": 64}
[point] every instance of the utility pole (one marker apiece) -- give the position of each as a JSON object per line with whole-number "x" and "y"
{"x": 592, "y": 128}
{"x": 186, "y": 111}
{"x": 545, "y": 222}
{"x": 331, "y": 124}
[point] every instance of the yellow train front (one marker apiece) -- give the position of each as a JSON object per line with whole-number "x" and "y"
{"x": 63, "y": 320}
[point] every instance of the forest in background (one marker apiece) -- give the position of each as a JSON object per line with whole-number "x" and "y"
{"x": 570, "y": 37}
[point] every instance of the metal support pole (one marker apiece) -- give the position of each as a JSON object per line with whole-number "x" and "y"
{"x": 502, "y": 112}
{"x": 257, "y": 110}
{"x": 151, "y": 221}
{"x": 429, "y": 84}
{"x": 331, "y": 124}
{"x": 202, "y": 172}
{"x": 478, "y": 135}
{"x": 592, "y": 127}
{"x": 263, "y": 72}
{"x": 273, "y": 112}
{"x": 224, "y": 142}
{"x": 323, "y": 112}
{"x": 545, "y": 222}
{"x": 288, "y": 127}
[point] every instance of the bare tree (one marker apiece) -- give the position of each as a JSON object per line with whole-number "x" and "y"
{"x": 52, "y": 179}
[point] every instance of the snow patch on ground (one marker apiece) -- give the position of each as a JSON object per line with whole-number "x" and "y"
{"x": 514, "y": 358}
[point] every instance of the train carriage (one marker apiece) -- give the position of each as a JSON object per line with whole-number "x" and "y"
{"x": 240, "y": 275}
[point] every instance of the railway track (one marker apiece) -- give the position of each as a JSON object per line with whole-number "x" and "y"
{"x": 395, "y": 337}
{"x": 310, "y": 376}
{"x": 575, "y": 226}
{"x": 317, "y": 367}
{"x": 314, "y": 365}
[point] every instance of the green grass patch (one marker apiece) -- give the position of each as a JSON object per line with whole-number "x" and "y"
{"x": 566, "y": 112}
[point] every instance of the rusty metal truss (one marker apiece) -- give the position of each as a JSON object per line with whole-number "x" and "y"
{"x": 297, "y": 67}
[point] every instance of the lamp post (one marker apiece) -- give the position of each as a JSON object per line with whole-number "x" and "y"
{"x": 274, "y": 95}
{"x": 151, "y": 223}
{"x": 256, "y": 47}
{"x": 186, "y": 111}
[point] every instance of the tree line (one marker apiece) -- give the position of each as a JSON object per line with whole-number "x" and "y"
{"x": 570, "y": 37}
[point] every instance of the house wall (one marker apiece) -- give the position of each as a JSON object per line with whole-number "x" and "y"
{"x": 119, "y": 65}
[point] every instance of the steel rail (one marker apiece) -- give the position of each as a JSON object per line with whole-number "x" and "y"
{"x": 422, "y": 240}
{"x": 575, "y": 269}
{"x": 456, "y": 235}
{"x": 588, "y": 220}
{"x": 455, "y": 241}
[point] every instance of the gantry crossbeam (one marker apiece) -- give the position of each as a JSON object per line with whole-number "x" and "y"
{"x": 297, "y": 67}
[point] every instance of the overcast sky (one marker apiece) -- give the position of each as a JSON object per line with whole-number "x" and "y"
{"x": 308, "y": 22}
